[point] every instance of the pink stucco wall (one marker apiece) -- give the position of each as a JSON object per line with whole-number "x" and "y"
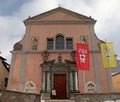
{"x": 34, "y": 59}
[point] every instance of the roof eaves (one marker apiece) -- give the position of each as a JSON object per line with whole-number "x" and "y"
{"x": 6, "y": 65}
{"x": 2, "y": 58}
{"x": 114, "y": 74}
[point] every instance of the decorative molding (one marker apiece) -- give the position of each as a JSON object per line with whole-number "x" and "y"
{"x": 30, "y": 22}
{"x": 73, "y": 55}
{"x": 59, "y": 57}
{"x": 18, "y": 47}
{"x": 84, "y": 39}
{"x": 50, "y": 51}
{"x": 30, "y": 87}
{"x": 63, "y": 10}
{"x": 39, "y": 51}
{"x": 95, "y": 51}
{"x": 45, "y": 55}
{"x": 86, "y": 86}
{"x": 47, "y": 63}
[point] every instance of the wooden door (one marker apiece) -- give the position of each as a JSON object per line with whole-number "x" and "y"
{"x": 60, "y": 86}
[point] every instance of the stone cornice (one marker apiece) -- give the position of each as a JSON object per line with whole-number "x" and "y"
{"x": 39, "y": 22}
{"x": 53, "y": 51}
{"x": 95, "y": 51}
{"x": 39, "y": 52}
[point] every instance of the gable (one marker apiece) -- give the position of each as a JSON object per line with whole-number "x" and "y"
{"x": 60, "y": 14}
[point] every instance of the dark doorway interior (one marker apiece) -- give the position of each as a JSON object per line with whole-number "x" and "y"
{"x": 60, "y": 86}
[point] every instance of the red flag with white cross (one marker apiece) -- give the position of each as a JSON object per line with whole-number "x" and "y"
{"x": 82, "y": 56}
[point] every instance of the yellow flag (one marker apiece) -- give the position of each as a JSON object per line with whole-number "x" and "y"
{"x": 108, "y": 56}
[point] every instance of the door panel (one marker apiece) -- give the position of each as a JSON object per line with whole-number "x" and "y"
{"x": 60, "y": 86}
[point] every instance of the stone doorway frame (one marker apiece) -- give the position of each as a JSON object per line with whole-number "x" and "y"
{"x": 49, "y": 68}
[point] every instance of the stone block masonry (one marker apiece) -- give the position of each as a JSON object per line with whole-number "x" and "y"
{"x": 12, "y": 96}
{"x": 98, "y": 97}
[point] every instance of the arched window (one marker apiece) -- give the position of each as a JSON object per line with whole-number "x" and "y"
{"x": 90, "y": 87}
{"x": 34, "y": 43}
{"x": 30, "y": 87}
{"x": 59, "y": 42}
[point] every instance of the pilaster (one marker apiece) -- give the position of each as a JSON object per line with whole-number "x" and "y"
{"x": 94, "y": 47}
{"x": 24, "y": 60}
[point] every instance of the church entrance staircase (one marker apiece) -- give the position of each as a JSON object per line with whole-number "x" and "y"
{"x": 58, "y": 100}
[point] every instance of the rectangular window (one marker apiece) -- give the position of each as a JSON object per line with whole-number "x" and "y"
{"x": 69, "y": 44}
{"x": 50, "y": 44}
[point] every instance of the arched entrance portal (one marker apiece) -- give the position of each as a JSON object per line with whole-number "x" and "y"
{"x": 59, "y": 76}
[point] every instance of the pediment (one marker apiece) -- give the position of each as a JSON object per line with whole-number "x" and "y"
{"x": 59, "y": 14}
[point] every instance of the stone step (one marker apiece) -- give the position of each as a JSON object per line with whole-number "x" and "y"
{"x": 58, "y": 100}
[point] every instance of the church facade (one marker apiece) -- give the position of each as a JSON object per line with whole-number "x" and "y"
{"x": 45, "y": 59}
